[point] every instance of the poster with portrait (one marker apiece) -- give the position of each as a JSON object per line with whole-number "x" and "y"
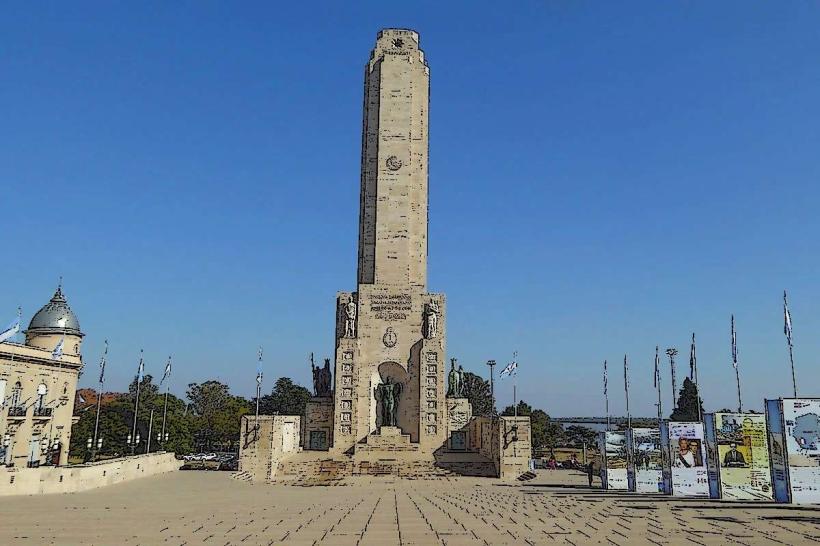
{"x": 801, "y": 436}
{"x": 687, "y": 476}
{"x": 739, "y": 456}
{"x": 646, "y": 463}
{"x": 612, "y": 446}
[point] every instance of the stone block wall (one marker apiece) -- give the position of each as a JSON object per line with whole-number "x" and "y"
{"x": 265, "y": 441}
{"x": 506, "y": 441}
{"x": 74, "y": 478}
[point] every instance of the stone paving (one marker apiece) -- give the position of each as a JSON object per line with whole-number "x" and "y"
{"x": 187, "y": 508}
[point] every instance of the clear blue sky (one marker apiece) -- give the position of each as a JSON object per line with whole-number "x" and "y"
{"x": 603, "y": 178}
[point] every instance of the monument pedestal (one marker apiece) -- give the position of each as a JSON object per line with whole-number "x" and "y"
{"x": 459, "y": 413}
{"x": 317, "y": 433}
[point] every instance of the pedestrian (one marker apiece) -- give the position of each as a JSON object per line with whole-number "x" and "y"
{"x": 589, "y": 474}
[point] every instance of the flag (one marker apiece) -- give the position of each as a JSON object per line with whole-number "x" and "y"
{"x": 509, "y": 369}
{"x": 259, "y": 367}
{"x": 787, "y": 318}
{"x": 605, "y": 378}
{"x": 626, "y": 376}
{"x": 693, "y": 361}
{"x": 657, "y": 377}
{"x": 57, "y": 353}
{"x": 734, "y": 344}
{"x": 10, "y": 330}
{"x": 140, "y": 369}
{"x": 102, "y": 363}
{"x": 167, "y": 373}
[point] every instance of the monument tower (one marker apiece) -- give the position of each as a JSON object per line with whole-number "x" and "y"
{"x": 389, "y": 371}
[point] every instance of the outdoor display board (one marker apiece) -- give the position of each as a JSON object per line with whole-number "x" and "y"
{"x": 738, "y": 456}
{"x": 646, "y": 464}
{"x": 612, "y": 446}
{"x": 794, "y": 443}
{"x": 684, "y": 459}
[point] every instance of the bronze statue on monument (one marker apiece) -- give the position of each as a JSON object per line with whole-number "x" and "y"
{"x": 388, "y": 393}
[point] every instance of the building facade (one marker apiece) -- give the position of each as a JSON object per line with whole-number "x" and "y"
{"x": 38, "y": 381}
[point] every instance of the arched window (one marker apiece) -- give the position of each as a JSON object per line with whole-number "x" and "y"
{"x": 16, "y": 393}
{"x": 42, "y": 390}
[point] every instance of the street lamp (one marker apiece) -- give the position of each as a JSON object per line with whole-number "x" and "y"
{"x": 491, "y": 364}
{"x": 672, "y": 352}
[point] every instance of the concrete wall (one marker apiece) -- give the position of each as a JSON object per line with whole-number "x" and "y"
{"x": 265, "y": 442}
{"x": 506, "y": 441}
{"x": 70, "y": 479}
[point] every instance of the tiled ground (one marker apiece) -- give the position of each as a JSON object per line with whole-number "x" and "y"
{"x": 186, "y": 508}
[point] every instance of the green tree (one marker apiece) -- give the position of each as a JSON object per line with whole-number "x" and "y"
{"x": 578, "y": 435}
{"x": 477, "y": 391}
{"x": 524, "y": 409}
{"x": 216, "y": 414}
{"x": 688, "y": 403}
{"x": 286, "y": 398}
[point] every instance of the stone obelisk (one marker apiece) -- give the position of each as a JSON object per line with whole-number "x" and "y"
{"x": 390, "y": 330}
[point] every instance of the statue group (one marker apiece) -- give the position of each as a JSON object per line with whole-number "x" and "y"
{"x": 455, "y": 380}
{"x": 388, "y": 393}
{"x": 322, "y": 380}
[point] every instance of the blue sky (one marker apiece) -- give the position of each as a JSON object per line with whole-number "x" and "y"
{"x": 603, "y": 179}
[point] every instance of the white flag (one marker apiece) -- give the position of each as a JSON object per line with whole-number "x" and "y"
{"x": 167, "y": 372}
{"x": 509, "y": 369}
{"x": 10, "y": 330}
{"x": 57, "y": 353}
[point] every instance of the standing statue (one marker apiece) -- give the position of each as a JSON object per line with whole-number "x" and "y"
{"x": 326, "y": 379}
{"x": 461, "y": 386}
{"x": 317, "y": 380}
{"x": 350, "y": 318}
{"x": 453, "y": 381}
{"x": 388, "y": 393}
{"x": 432, "y": 312}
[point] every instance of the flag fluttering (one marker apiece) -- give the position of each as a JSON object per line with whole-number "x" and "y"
{"x": 787, "y": 320}
{"x": 605, "y": 378}
{"x": 167, "y": 373}
{"x": 259, "y": 367}
{"x": 734, "y": 344}
{"x": 57, "y": 353}
{"x": 102, "y": 363}
{"x": 657, "y": 375}
{"x": 11, "y": 330}
{"x": 140, "y": 368}
{"x": 509, "y": 369}
{"x": 692, "y": 360}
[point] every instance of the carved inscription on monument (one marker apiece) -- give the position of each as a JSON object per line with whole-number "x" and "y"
{"x": 391, "y": 306}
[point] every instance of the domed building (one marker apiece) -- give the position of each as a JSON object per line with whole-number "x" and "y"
{"x": 38, "y": 381}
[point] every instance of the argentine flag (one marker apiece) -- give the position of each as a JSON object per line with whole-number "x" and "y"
{"x": 11, "y": 330}
{"x": 57, "y": 353}
{"x": 509, "y": 370}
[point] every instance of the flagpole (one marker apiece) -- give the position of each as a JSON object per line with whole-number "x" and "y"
{"x": 99, "y": 403}
{"x": 626, "y": 388}
{"x": 258, "y": 386}
{"x": 136, "y": 406}
{"x": 788, "y": 331}
{"x": 515, "y": 382}
{"x": 695, "y": 373}
{"x": 672, "y": 352}
{"x": 658, "y": 386}
{"x": 734, "y": 364}
{"x": 606, "y": 400}
{"x": 150, "y": 428}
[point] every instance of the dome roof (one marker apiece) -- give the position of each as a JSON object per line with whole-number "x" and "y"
{"x": 55, "y": 317}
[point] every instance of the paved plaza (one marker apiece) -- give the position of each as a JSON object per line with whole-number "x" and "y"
{"x": 185, "y": 508}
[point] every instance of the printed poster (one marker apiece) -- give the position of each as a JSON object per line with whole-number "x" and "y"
{"x": 801, "y": 419}
{"x": 614, "y": 459}
{"x": 647, "y": 461}
{"x": 742, "y": 456}
{"x": 688, "y": 459}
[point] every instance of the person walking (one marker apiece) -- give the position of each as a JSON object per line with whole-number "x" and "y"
{"x": 589, "y": 474}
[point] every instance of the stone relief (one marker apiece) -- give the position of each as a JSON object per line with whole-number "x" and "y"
{"x": 393, "y": 163}
{"x": 350, "y": 318}
{"x": 390, "y": 338}
{"x": 431, "y": 313}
